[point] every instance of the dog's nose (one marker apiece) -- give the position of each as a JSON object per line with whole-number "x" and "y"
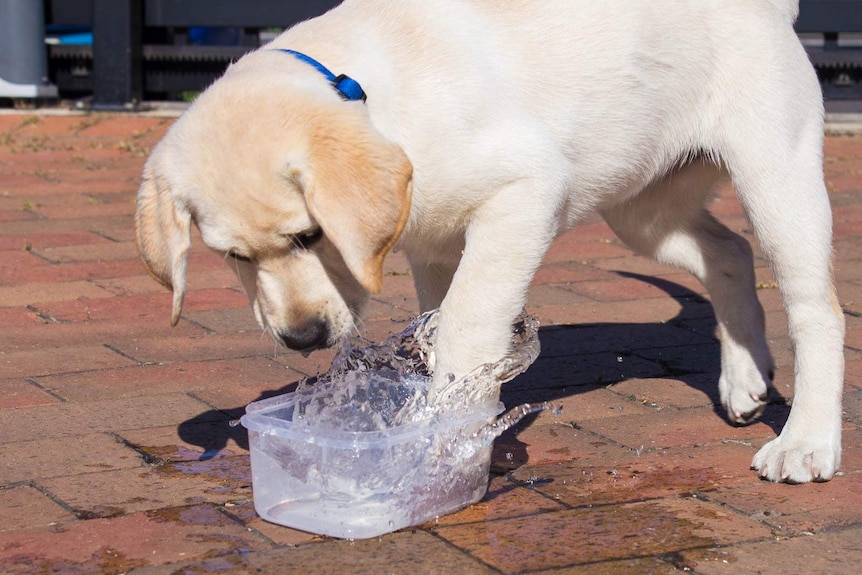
{"x": 309, "y": 337}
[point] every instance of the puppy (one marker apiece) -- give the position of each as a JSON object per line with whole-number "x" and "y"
{"x": 489, "y": 128}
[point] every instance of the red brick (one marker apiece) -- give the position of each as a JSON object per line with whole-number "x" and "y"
{"x": 69, "y": 420}
{"x": 121, "y": 126}
{"x": 690, "y": 427}
{"x": 10, "y": 122}
{"x": 198, "y": 348}
{"x": 150, "y": 488}
{"x": 582, "y": 536}
{"x": 20, "y": 215}
{"x": 59, "y": 457}
{"x": 243, "y": 511}
{"x": 220, "y": 378}
{"x": 823, "y": 553}
{"x": 815, "y": 508}
{"x": 119, "y": 544}
{"x": 132, "y": 306}
{"x": 36, "y": 293}
{"x": 50, "y": 241}
{"x": 613, "y": 476}
{"x": 23, "y": 507}
{"x": 583, "y": 310}
{"x": 50, "y": 125}
{"x": 50, "y": 361}
{"x": 19, "y": 393}
{"x": 661, "y": 392}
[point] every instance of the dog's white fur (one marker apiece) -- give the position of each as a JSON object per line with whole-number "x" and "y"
{"x": 520, "y": 119}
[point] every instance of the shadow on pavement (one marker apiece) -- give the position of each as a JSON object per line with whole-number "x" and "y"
{"x": 575, "y": 359}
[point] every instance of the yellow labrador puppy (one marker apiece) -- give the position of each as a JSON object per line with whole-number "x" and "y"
{"x": 489, "y": 128}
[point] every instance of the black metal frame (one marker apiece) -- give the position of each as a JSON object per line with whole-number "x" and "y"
{"x": 140, "y": 47}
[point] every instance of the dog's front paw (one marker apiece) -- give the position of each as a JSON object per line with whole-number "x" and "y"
{"x": 798, "y": 460}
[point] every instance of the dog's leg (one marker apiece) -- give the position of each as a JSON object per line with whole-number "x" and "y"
{"x": 432, "y": 281}
{"x": 506, "y": 239}
{"x": 775, "y": 159}
{"x": 668, "y": 222}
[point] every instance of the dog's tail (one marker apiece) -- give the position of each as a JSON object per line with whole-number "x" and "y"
{"x": 790, "y": 8}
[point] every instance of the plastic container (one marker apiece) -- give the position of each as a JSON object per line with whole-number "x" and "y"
{"x": 357, "y": 485}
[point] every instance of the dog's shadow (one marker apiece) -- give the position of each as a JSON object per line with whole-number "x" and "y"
{"x": 575, "y": 359}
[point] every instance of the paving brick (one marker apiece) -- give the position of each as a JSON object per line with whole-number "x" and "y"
{"x": 190, "y": 441}
{"x": 129, "y": 307}
{"x": 50, "y": 125}
{"x": 10, "y": 122}
{"x": 87, "y": 252}
{"x": 49, "y": 334}
{"x": 417, "y": 551}
{"x": 113, "y": 415}
{"x": 56, "y": 457}
{"x": 581, "y": 310}
{"x": 199, "y": 348}
{"x": 15, "y": 393}
{"x": 690, "y": 427}
{"x": 24, "y": 506}
{"x": 119, "y": 544}
{"x": 610, "y": 474}
{"x": 74, "y": 275}
{"x": 506, "y": 499}
{"x": 49, "y": 240}
{"x": 649, "y": 565}
{"x": 699, "y": 390}
{"x": 121, "y": 126}
{"x": 537, "y": 443}
{"x": 569, "y": 272}
{"x": 33, "y": 363}
{"x": 824, "y": 553}
{"x": 127, "y": 491}
{"x": 244, "y": 512}
{"x": 19, "y": 317}
{"x": 814, "y": 509}
{"x": 138, "y": 443}
{"x": 582, "y": 536}
{"x": 220, "y": 379}
{"x": 637, "y": 288}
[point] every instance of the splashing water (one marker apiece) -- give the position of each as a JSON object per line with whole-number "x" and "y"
{"x": 371, "y": 387}
{"x": 379, "y": 391}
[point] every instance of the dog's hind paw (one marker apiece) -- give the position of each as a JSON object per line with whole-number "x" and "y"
{"x": 797, "y": 460}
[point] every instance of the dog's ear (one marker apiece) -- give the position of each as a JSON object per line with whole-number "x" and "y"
{"x": 163, "y": 234}
{"x": 358, "y": 190}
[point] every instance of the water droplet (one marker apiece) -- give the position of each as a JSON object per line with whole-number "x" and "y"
{"x": 233, "y": 422}
{"x": 509, "y": 457}
{"x": 619, "y": 359}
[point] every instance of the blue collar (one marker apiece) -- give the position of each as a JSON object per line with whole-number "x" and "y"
{"x": 344, "y": 85}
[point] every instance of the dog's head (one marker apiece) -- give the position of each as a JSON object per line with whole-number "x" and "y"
{"x": 299, "y": 192}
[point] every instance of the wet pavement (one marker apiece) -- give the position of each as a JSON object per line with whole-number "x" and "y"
{"x": 116, "y": 453}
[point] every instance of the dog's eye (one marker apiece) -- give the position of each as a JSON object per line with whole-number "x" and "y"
{"x": 238, "y": 257}
{"x": 307, "y": 239}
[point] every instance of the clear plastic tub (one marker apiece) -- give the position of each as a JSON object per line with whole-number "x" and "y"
{"x": 363, "y": 449}
{"x": 361, "y": 484}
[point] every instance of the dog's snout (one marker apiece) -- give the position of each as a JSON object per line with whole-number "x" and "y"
{"x": 313, "y": 335}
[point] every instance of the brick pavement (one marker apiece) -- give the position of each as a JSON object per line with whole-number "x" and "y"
{"x": 116, "y": 455}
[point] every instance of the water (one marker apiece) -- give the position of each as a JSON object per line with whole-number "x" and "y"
{"x": 373, "y": 387}
{"x": 399, "y": 478}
